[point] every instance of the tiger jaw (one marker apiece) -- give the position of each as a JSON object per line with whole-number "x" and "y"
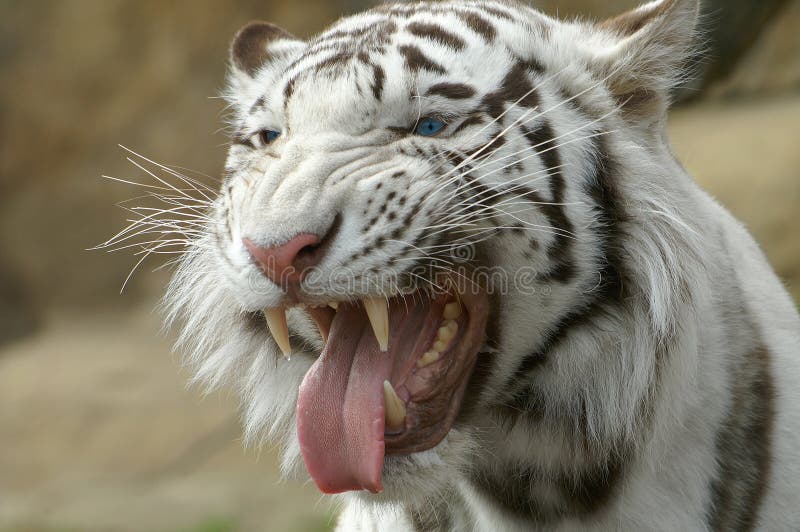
{"x": 389, "y": 381}
{"x": 376, "y": 309}
{"x": 378, "y": 314}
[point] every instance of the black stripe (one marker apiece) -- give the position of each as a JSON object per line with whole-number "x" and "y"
{"x": 454, "y": 91}
{"x": 744, "y": 447}
{"x": 510, "y": 489}
{"x": 308, "y": 53}
{"x": 609, "y": 215}
{"x": 258, "y": 104}
{"x": 342, "y": 34}
{"x": 592, "y": 488}
{"x": 499, "y": 13}
{"x": 559, "y": 252}
{"x": 318, "y": 49}
{"x": 436, "y": 33}
{"x": 341, "y": 57}
{"x": 416, "y": 60}
{"x": 515, "y": 87}
{"x": 484, "y": 151}
{"x": 398, "y": 10}
{"x": 437, "y": 514}
{"x": 473, "y": 120}
{"x": 527, "y": 492}
{"x": 288, "y": 90}
{"x": 334, "y": 60}
{"x": 475, "y": 194}
{"x": 379, "y": 76}
{"x": 479, "y": 25}
{"x": 482, "y": 196}
{"x": 241, "y": 140}
{"x": 378, "y": 32}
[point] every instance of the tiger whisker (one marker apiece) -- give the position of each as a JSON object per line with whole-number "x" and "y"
{"x": 189, "y": 181}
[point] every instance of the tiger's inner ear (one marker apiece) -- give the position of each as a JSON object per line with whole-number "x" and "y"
{"x": 649, "y": 53}
{"x": 632, "y": 21}
{"x": 259, "y": 43}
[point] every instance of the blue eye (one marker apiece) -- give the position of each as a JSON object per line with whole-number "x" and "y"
{"x": 264, "y": 137}
{"x": 428, "y": 127}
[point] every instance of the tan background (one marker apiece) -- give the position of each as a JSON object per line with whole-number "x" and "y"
{"x": 97, "y": 431}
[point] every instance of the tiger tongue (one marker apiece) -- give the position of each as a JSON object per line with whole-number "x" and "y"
{"x": 340, "y": 411}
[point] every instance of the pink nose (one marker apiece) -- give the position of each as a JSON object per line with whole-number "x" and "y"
{"x": 286, "y": 263}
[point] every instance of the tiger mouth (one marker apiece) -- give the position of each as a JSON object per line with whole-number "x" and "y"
{"x": 390, "y": 381}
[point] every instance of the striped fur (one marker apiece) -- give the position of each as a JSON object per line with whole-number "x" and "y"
{"x": 641, "y": 380}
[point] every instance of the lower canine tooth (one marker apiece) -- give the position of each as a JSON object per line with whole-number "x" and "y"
{"x": 427, "y": 359}
{"x": 440, "y": 345}
{"x": 394, "y": 408}
{"x": 276, "y": 322}
{"x": 377, "y": 309}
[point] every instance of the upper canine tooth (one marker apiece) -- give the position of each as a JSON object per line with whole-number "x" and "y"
{"x": 452, "y": 310}
{"x": 378, "y": 313}
{"x": 333, "y": 304}
{"x": 276, "y": 322}
{"x": 395, "y": 410}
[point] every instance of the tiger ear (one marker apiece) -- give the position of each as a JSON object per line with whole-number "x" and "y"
{"x": 258, "y": 44}
{"x": 649, "y": 55}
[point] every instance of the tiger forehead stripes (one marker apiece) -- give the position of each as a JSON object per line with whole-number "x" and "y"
{"x": 502, "y": 304}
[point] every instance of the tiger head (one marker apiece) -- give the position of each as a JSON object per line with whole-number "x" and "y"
{"x": 414, "y": 202}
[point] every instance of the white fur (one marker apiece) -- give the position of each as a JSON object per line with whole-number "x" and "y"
{"x": 333, "y": 155}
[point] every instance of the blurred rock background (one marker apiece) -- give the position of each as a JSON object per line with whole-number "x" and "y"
{"x": 96, "y": 429}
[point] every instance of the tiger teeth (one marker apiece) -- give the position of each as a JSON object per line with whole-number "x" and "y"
{"x": 428, "y": 358}
{"x": 377, "y": 309}
{"x": 452, "y": 310}
{"x": 447, "y": 331}
{"x": 395, "y": 410}
{"x": 276, "y": 322}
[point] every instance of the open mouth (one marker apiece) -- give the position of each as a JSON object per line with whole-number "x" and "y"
{"x": 390, "y": 380}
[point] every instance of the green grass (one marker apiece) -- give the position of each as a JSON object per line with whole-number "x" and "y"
{"x": 215, "y": 524}
{"x": 38, "y": 528}
{"x": 314, "y": 524}
{"x": 211, "y": 524}
{"x": 305, "y": 524}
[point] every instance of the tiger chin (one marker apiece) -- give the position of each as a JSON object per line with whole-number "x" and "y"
{"x": 454, "y": 269}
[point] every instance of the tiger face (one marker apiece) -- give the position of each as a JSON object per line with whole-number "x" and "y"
{"x": 414, "y": 201}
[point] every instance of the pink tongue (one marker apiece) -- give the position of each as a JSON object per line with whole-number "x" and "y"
{"x": 340, "y": 418}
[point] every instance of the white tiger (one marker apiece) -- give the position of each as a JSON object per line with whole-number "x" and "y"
{"x": 509, "y": 307}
